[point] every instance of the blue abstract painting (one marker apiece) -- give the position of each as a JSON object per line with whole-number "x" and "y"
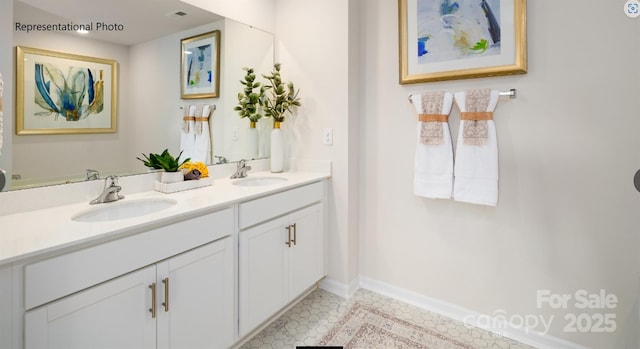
{"x": 200, "y": 63}
{"x": 74, "y": 93}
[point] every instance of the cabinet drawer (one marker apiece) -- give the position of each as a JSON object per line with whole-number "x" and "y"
{"x": 259, "y": 210}
{"x": 56, "y": 277}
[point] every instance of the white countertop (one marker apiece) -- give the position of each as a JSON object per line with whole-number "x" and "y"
{"x": 24, "y": 235}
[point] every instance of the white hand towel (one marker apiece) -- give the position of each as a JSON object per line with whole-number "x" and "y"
{"x": 433, "y": 169}
{"x": 188, "y": 134}
{"x": 202, "y": 146}
{"x": 476, "y": 163}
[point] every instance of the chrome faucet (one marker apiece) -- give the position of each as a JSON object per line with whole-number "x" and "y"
{"x": 221, "y": 159}
{"x": 92, "y": 175}
{"x": 242, "y": 169}
{"x": 110, "y": 192}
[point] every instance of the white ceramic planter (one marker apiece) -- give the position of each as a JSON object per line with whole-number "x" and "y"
{"x": 277, "y": 150}
{"x": 171, "y": 177}
{"x": 252, "y": 143}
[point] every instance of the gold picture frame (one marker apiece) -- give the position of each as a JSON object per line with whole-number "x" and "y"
{"x": 435, "y": 47}
{"x": 200, "y": 66}
{"x": 64, "y": 93}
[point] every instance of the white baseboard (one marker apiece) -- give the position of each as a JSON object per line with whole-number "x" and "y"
{"x": 452, "y": 311}
{"x": 339, "y": 288}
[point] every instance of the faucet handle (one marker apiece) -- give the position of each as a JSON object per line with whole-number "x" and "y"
{"x": 242, "y": 163}
{"x": 110, "y": 181}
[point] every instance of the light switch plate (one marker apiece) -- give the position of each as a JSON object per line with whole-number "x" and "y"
{"x": 327, "y": 136}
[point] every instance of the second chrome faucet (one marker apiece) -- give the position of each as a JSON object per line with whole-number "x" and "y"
{"x": 242, "y": 169}
{"x": 110, "y": 193}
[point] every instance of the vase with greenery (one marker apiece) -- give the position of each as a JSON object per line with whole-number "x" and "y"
{"x": 249, "y": 101}
{"x": 279, "y": 99}
{"x": 166, "y": 162}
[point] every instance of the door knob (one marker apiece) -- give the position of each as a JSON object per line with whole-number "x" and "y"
{"x": 636, "y": 180}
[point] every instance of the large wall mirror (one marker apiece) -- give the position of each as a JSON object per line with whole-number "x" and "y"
{"x": 146, "y": 44}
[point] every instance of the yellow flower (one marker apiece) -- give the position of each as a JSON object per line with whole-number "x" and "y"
{"x": 200, "y": 166}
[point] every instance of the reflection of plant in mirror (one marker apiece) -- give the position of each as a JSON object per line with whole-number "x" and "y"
{"x": 248, "y": 100}
{"x": 278, "y": 100}
{"x": 164, "y": 161}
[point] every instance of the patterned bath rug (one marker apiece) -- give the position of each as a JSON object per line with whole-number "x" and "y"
{"x": 368, "y": 328}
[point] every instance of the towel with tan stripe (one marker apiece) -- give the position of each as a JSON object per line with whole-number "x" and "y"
{"x": 476, "y": 162}
{"x": 202, "y": 143}
{"x": 433, "y": 169}
{"x": 188, "y": 128}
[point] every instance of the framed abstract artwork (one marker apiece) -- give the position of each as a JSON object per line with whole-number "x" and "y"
{"x": 63, "y": 93}
{"x": 461, "y": 39}
{"x": 200, "y": 66}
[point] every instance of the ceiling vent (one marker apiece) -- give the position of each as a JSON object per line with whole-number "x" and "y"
{"x": 176, "y": 14}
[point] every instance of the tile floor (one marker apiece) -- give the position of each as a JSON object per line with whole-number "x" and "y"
{"x": 311, "y": 319}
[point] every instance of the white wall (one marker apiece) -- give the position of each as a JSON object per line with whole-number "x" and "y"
{"x": 313, "y": 47}
{"x": 568, "y": 215}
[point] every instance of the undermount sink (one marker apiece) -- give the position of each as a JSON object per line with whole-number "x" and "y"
{"x": 258, "y": 181}
{"x": 123, "y": 209}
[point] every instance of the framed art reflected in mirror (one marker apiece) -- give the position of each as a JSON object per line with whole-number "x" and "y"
{"x": 200, "y": 66}
{"x": 61, "y": 93}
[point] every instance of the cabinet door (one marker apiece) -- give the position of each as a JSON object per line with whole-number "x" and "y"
{"x": 306, "y": 264}
{"x": 196, "y": 298}
{"x": 114, "y": 314}
{"x": 263, "y": 271}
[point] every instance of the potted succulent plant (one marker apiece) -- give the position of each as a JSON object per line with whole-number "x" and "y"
{"x": 249, "y": 101}
{"x": 279, "y": 99}
{"x": 166, "y": 162}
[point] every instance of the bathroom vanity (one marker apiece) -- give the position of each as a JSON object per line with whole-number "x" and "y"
{"x": 203, "y": 272}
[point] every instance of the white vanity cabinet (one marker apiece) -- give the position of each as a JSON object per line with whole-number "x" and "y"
{"x": 281, "y": 251}
{"x": 182, "y": 300}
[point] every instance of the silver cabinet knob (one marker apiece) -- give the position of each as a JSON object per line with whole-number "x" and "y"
{"x": 636, "y": 180}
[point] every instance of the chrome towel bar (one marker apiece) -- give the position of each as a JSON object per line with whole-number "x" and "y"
{"x": 511, "y": 94}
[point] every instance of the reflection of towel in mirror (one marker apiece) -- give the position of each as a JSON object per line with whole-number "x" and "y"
{"x": 1, "y": 89}
{"x": 188, "y": 134}
{"x": 202, "y": 144}
{"x": 433, "y": 168}
{"x": 476, "y": 165}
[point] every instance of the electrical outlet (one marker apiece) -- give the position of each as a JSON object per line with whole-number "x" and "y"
{"x": 327, "y": 136}
{"x": 234, "y": 133}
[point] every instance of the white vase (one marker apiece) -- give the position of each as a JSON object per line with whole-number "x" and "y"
{"x": 252, "y": 142}
{"x": 277, "y": 149}
{"x": 171, "y": 177}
